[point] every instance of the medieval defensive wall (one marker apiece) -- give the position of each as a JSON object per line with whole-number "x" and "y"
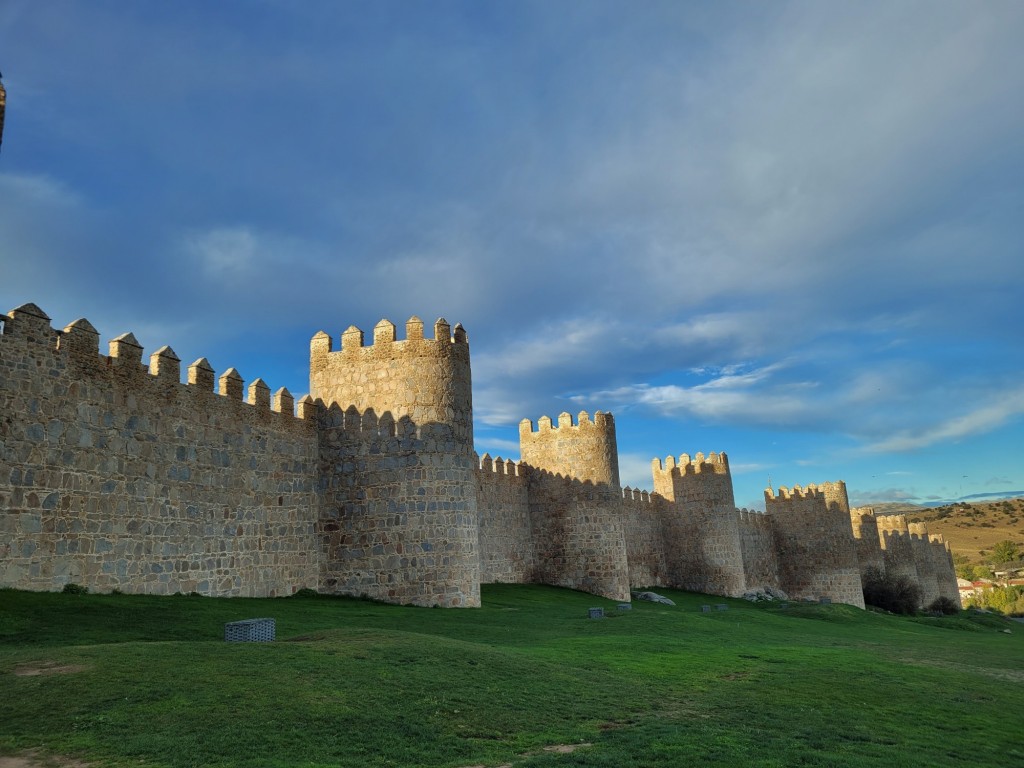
{"x": 154, "y": 477}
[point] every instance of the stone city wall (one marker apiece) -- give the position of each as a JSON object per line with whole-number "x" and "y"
{"x": 642, "y": 514}
{"x": 398, "y": 472}
{"x": 701, "y": 528}
{"x": 757, "y": 545}
{"x": 897, "y": 548}
{"x": 927, "y": 578}
{"x": 945, "y": 570}
{"x": 865, "y": 531}
{"x": 116, "y": 476}
{"x": 815, "y": 546}
{"x": 576, "y": 503}
{"x": 506, "y": 538}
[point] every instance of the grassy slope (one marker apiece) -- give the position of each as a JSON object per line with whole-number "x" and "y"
{"x": 362, "y": 684}
{"x": 972, "y": 529}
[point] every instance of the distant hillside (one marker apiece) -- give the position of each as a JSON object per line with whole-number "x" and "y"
{"x": 970, "y": 528}
{"x": 897, "y": 508}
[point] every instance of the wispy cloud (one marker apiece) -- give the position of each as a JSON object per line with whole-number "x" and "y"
{"x": 798, "y": 224}
{"x": 1006, "y": 406}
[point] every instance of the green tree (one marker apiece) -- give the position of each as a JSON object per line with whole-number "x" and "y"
{"x": 1005, "y": 551}
{"x": 980, "y": 572}
{"x": 963, "y": 567}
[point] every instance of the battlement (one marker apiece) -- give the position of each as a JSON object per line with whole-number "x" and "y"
{"x": 753, "y": 517}
{"x": 122, "y": 476}
{"x": 427, "y": 380}
{"x": 713, "y": 463}
{"x": 918, "y": 529}
{"x": 810, "y": 492}
{"x": 500, "y": 467}
{"x": 351, "y": 424}
{"x": 79, "y": 345}
{"x": 636, "y": 496}
{"x": 586, "y": 449}
{"x": 892, "y": 524}
{"x": 385, "y": 333}
{"x": 602, "y": 422}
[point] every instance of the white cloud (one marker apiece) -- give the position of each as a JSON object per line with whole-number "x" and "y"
{"x": 635, "y": 471}
{"x": 1002, "y": 408}
{"x": 226, "y": 253}
{"x": 860, "y": 497}
{"x": 749, "y": 396}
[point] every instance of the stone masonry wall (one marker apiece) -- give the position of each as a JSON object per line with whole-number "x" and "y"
{"x": 576, "y": 503}
{"x": 119, "y": 476}
{"x": 927, "y": 578}
{"x": 945, "y": 571}
{"x": 897, "y": 548}
{"x": 701, "y": 528}
{"x": 578, "y": 535}
{"x": 399, "y": 517}
{"x": 113, "y": 476}
{"x": 815, "y": 546}
{"x": 757, "y": 543}
{"x": 642, "y": 514}
{"x": 398, "y": 520}
{"x": 506, "y": 537}
{"x": 865, "y": 532}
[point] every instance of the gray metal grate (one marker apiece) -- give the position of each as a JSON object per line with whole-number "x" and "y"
{"x": 250, "y": 631}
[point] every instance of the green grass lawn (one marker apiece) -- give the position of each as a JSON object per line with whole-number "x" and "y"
{"x": 131, "y": 680}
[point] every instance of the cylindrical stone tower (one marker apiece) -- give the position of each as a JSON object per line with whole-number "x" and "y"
{"x": 814, "y": 542}
{"x": 701, "y": 525}
{"x": 576, "y": 503}
{"x": 398, "y": 516}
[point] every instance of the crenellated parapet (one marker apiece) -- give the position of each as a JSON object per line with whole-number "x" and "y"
{"x": 500, "y": 468}
{"x": 754, "y": 518}
{"x": 76, "y": 349}
{"x": 129, "y": 479}
{"x": 815, "y": 546}
{"x": 703, "y": 480}
{"x": 637, "y": 496}
{"x": 586, "y": 449}
{"x": 426, "y": 379}
{"x": 713, "y": 463}
{"x": 701, "y": 528}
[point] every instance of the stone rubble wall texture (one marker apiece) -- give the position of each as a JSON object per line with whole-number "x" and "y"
{"x": 897, "y": 548}
{"x": 757, "y": 544}
{"x": 701, "y": 528}
{"x": 927, "y": 578}
{"x": 814, "y": 543}
{"x": 506, "y": 537}
{"x": 642, "y": 515}
{"x": 119, "y": 477}
{"x": 945, "y": 570}
{"x": 576, "y": 503}
{"x": 398, "y": 516}
{"x": 115, "y": 475}
{"x": 865, "y": 531}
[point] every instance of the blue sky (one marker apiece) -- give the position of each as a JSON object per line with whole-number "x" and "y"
{"x": 790, "y": 231}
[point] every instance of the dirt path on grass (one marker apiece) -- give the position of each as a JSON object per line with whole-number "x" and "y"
{"x": 32, "y": 760}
